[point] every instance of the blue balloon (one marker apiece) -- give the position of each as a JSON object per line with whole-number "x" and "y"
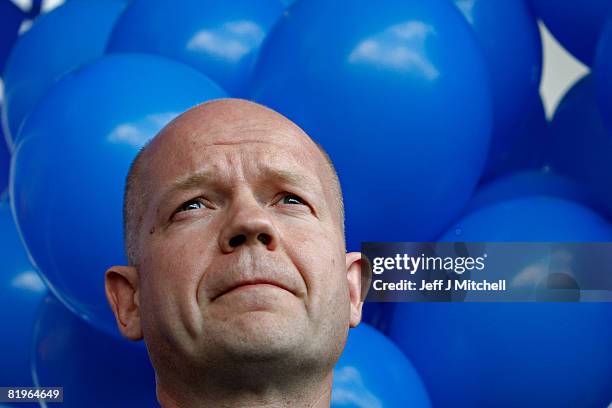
{"x": 11, "y": 18}
{"x": 35, "y": 9}
{"x": 95, "y": 370}
{"x": 510, "y": 39}
{"x": 5, "y": 161}
{"x": 520, "y": 147}
{"x": 580, "y": 147}
{"x": 602, "y": 71}
{"x": 510, "y": 354}
{"x": 21, "y": 291}
{"x": 373, "y": 372}
{"x": 576, "y": 26}
{"x": 59, "y": 41}
{"x": 221, "y": 39}
{"x": 531, "y": 183}
{"x": 398, "y": 94}
{"x": 378, "y": 315}
{"x": 76, "y": 148}
{"x": 536, "y": 218}
{"x": 514, "y": 354}
{"x": 287, "y": 3}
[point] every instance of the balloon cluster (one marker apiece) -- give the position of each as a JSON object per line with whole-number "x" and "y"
{"x": 431, "y": 113}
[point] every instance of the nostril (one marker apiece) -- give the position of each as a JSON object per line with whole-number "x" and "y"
{"x": 237, "y": 240}
{"x": 264, "y": 238}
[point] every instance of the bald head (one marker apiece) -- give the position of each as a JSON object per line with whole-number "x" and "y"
{"x": 225, "y": 122}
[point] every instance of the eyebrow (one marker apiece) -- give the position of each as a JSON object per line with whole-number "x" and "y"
{"x": 186, "y": 183}
{"x": 205, "y": 177}
{"x": 292, "y": 178}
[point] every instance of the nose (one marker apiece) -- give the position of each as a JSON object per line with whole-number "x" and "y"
{"x": 247, "y": 224}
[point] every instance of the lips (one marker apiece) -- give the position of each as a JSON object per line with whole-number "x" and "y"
{"x": 246, "y": 282}
{"x": 251, "y": 266}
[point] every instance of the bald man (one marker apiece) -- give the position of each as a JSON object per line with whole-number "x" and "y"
{"x": 238, "y": 278}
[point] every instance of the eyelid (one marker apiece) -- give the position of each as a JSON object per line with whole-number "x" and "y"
{"x": 288, "y": 193}
{"x": 200, "y": 199}
{"x": 304, "y": 201}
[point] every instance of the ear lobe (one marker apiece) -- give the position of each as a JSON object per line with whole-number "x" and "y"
{"x": 121, "y": 285}
{"x": 358, "y": 284}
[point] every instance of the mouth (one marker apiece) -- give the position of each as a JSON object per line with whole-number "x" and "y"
{"x": 251, "y": 284}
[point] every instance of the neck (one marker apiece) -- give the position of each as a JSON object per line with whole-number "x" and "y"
{"x": 259, "y": 390}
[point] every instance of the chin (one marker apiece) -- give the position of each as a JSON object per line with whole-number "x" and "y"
{"x": 262, "y": 335}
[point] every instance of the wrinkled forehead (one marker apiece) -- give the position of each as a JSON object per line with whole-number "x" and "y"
{"x": 179, "y": 151}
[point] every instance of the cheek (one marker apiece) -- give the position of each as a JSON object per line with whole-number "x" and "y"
{"x": 171, "y": 260}
{"x": 173, "y": 266}
{"x": 312, "y": 236}
{"x": 318, "y": 255}
{"x": 180, "y": 251}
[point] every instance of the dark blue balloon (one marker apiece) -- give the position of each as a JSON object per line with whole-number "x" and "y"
{"x": 580, "y": 147}
{"x": 514, "y": 354}
{"x": 510, "y": 354}
{"x": 531, "y": 183}
{"x": 522, "y": 146}
{"x": 35, "y": 8}
{"x": 69, "y": 169}
{"x": 373, "y": 372}
{"x": 59, "y": 41}
{"x": 5, "y": 161}
{"x": 378, "y": 315}
{"x": 510, "y": 39}
{"x": 526, "y": 219}
{"x": 95, "y": 370}
{"x": 11, "y": 18}
{"x": 21, "y": 291}
{"x": 602, "y": 71}
{"x": 398, "y": 94}
{"x": 576, "y": 26}
{"x": 221, "y": 39}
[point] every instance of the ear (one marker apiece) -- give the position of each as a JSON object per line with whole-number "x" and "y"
{"x": 121, "y": 284}
{"x": 357, "y": 285}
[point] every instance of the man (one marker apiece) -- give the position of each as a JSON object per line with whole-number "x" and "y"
{"x": 238, "y": 278}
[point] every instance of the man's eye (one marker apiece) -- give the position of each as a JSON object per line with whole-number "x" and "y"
{"x": 191, "y": 205}
{"x": 292, "y": 199}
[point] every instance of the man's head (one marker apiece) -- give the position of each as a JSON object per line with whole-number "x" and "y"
{"x": 235, "y": 239}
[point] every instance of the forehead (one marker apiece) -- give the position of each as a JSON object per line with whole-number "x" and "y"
{"x": 225, "y": 146}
